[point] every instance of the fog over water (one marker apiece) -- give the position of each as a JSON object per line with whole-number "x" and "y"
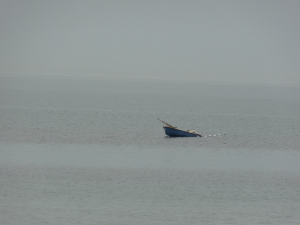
{"x": 91, "y": 151}
{"x": 82, "y": 84}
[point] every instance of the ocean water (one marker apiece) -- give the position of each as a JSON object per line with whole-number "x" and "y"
{"x": 91, "y": 151}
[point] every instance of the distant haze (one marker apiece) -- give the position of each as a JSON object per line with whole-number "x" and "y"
{"x": 220, "y": 41}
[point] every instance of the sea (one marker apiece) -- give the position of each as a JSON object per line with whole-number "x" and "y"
{"x": 87, "y": 150}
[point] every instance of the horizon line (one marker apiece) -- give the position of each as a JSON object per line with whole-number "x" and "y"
{"x": 153, "y": 79}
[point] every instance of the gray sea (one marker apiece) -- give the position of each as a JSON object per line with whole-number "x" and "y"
{"x": 91, "y": 151}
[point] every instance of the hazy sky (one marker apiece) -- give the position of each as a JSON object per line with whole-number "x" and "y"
{"x": 228, "y": 41}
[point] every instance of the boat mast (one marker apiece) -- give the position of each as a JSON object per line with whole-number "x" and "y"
{"x": 166, "y": 123}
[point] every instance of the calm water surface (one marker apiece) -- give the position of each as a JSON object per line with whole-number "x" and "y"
{"x": 91, "y": 151}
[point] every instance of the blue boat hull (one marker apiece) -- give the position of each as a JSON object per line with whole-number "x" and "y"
{"x": 178, "y": 133}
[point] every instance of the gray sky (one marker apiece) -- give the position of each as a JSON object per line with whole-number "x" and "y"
{"x": 255, "y": 41}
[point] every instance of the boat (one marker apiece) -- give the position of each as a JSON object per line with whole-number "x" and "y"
{"x": 174, "y": 132}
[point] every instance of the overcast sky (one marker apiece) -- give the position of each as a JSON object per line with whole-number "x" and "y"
{"x": 255, "y": 41}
